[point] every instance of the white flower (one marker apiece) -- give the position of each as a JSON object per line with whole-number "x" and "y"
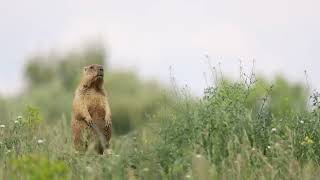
{"x": 269, "y": 147}
{"x": 188, "y": 176}
{"x": 198, "y": 156}
{"x": 16, "y": 122}
{"x": 253, "y": 149}
{"x": 117, "y": 155}
{"x": 89, "y": 169}
{"x": 145, "y": 169}
{"x": 19, "y": 117}
{"x": 8, "y": 151}
{"x": 40, "y": 141}
{"x": 273, "y": 129}
{"x": 2, "y": 126}
{"x": 301, "y": 122}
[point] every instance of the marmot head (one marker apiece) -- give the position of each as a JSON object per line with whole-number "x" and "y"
{"x": 93, "y": 75}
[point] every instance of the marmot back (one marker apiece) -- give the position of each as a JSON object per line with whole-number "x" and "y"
{"x": 91, "y": 117}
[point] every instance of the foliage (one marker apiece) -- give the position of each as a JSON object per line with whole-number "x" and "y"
{"x": 222, "y": 132}
{"x": 218, "y": 136}
{"x": 37, "y": 167}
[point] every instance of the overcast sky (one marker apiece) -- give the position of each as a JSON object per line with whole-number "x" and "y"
{"x": 283, "y": 36}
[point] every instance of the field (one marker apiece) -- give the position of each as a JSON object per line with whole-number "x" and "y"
{"x": 246, "y": 129}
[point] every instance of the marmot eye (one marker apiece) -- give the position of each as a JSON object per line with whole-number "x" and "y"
{"x": 91, "y": 67}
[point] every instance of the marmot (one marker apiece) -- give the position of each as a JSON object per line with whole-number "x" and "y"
{"x": 91, "y": 118}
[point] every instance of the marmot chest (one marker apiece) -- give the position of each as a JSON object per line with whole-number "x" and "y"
{"x": 96, "y": 106}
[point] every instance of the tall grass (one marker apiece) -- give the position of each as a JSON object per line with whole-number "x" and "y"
{"x": 222, "y": 135}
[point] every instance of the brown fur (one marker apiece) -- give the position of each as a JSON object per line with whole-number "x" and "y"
{"x": 91, "y": 117}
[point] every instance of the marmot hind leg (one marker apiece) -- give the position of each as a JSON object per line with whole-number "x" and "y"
{"x": 78, "y": 142}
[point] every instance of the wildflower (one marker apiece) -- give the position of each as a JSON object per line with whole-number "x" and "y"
{"x": 8, "y": 151}
{"x": 117, "y": 155}
{"x": 269, "y": 147}
{"x": 253, "y": 149}
{"x": 188, "y": 176}
{"x": 16, "y": 122}
{"x": 89, "y": 169}
{"x": 198, "y": 156}
{"x": 273, "y": 130}
{"x": 301, "y": 122}
{"x": 40, "y": 141}
{"x": 145, "y": 169}
{"x": 308, "y": 140}
{"x": 2, "y": 126}
{"x": 19, "y": 117}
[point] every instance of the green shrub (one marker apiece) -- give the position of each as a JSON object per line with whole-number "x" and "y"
{"x": 37, "y": 167}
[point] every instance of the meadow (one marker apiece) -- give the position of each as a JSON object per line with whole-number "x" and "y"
{"x": 245, "y": 129}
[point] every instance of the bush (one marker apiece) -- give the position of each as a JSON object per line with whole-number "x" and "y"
{"x": 37, "y": 167}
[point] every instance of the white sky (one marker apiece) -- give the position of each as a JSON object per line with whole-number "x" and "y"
{"x": 283, "y": 36}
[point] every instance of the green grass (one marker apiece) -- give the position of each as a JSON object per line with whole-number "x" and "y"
{"x": 219, "y": 136}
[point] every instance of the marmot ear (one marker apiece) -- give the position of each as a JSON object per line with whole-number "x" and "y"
{"x": 85, "y": 68}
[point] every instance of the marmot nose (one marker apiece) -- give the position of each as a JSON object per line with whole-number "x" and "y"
{"x": 101, "y": 69}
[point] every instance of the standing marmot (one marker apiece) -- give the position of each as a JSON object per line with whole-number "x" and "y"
{"x": 91, "y": 117}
